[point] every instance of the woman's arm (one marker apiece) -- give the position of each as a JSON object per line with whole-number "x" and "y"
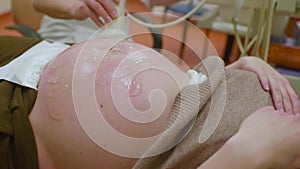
{"x": 80, "y": 10}
{"x": 266, "y": 139}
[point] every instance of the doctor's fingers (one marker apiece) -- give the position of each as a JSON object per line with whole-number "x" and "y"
{"x": 86, "y": 10}
{"x": 110, "y": 8}
{"x": 103, "y": 9}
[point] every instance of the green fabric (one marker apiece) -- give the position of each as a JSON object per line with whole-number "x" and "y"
{"x": 17, "y": 144}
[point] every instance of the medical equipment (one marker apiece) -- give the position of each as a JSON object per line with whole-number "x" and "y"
{"x": 261, "y": 39}
{"x": 263, "y": 34}
{"x": 118, "y": 28}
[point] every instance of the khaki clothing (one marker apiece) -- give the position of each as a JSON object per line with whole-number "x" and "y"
{"x": 235, "y": 93}
{"x": 17, "y": 144}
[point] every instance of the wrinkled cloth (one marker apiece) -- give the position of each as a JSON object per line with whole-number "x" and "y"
{"x": 27, "y": 69}
{"x": 17, "y": 143}
{"x": 233, "y": 93}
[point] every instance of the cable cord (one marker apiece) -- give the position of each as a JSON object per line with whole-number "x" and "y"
{"x": 169, "y": 24}
{"x": 262, "y": 38}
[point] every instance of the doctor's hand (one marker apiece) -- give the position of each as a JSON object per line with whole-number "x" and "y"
{"x": 283, "y": 95}
{"x": 95, "y": 9}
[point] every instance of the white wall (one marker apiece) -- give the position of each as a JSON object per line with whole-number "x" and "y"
{"x": 4, "y": 6}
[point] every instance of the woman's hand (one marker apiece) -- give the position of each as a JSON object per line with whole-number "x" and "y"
{"x": 283, "y": 95}
{"x": 271, "y": 135}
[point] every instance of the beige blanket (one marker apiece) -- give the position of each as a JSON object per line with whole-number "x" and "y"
{"x": 223, "y": 101}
